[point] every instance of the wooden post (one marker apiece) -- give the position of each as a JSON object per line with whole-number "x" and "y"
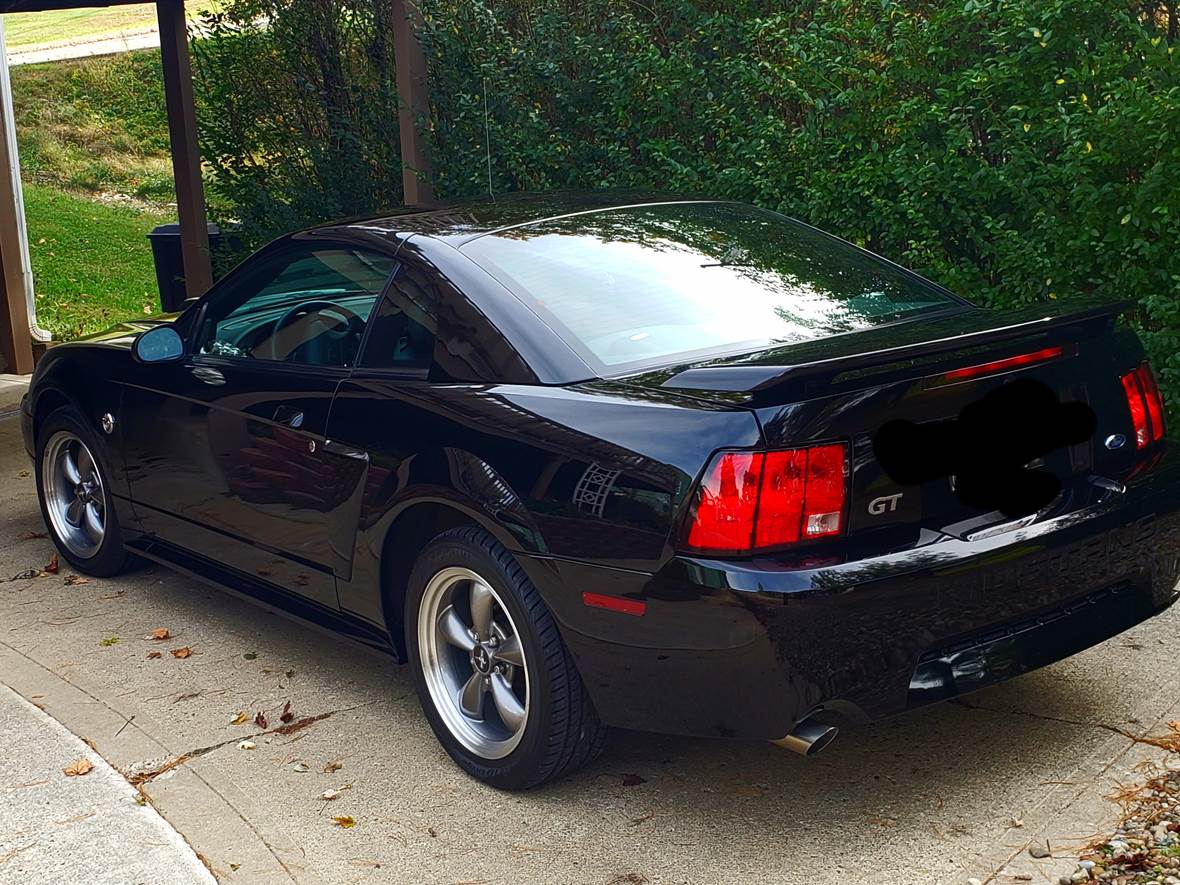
{"x": 413, "y": 104}
{"x": 186, "y": 158}
{"x": 16, "y": 342}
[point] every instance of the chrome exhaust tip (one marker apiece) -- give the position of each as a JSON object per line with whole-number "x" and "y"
{"x": 808, "y": 738}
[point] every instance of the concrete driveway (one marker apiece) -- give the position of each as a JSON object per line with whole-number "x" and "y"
{"x": 955, "y": 791}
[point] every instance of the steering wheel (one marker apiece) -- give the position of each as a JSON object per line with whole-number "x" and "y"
{"x": 320, "y": 326}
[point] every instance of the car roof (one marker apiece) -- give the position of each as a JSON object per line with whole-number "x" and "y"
{"x": 460, "y": 222}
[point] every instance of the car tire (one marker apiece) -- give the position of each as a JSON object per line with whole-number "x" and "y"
{"x": 74, "y": 488}
{"x": 516, "y": 714}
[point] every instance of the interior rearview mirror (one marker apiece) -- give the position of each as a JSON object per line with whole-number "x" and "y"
{"x": 158, "y": 345}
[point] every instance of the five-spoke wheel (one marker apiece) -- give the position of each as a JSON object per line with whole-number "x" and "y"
{"x": 74, "y": 499}
{"x": 473, "y": 662}
{"x": 75, "y": 492}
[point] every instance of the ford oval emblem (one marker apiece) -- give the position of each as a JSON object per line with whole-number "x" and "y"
{"x": 1115, "y": 441}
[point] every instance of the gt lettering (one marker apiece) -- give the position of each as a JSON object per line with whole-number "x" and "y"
{"x": 884, "y": 504}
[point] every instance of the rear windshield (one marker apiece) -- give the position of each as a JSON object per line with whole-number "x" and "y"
{"x": 656, "y": 285}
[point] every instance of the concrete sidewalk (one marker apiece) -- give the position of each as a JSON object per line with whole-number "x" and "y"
{"x": 111, "y": 44}
{"x": 92, "y": 828}
{"x": 12, "y": 388}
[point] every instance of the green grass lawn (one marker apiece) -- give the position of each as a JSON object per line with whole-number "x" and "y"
{"x": 38, "y": 28}
{"x": 93, "y": 139}
{"x": 95, "y": 125}
{"x": 92, "y": 265}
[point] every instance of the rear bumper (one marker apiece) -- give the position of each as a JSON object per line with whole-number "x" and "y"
{"x": 747, "y": 649}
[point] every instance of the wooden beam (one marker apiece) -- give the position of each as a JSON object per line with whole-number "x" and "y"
{"x": 413, "y": 104}
{"x": 186, "y": 157}
{"x": 16, "y": 340}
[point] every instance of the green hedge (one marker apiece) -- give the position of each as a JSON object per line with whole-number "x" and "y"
{"x": 1015, "y": 150}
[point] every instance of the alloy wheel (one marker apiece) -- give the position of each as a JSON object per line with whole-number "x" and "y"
{"x": 74, "y": 496}
{"x": 474, "y": 662}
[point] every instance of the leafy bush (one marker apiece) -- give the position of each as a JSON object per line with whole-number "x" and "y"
{"x": 1016, "y": 150}
{"x": 298, "y": 111}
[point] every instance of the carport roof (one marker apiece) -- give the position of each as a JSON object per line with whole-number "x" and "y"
{"x": 43, "y": 5}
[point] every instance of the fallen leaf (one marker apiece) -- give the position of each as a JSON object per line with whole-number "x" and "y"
{"x": 330, "y": 795}
{"x": 333, "y": 766}
{"x": 182, "y": 653}
{"x": 52, "y": 566}
{"x": 29, "y": 574}
{"x": 141, "y": 799}
{"x": 78, "y": 768}
{"x": 158, "y": 635}
{"x": 247, "y": 745}
{"x": 34, "y": 536}
{"x": 249, "y": 656}
{"x": 240, "y": 719}
{"x": 234, "y": 867}
{"x": 345, "y": 822}
{"x": 109, "y": 641}
{"x": 633, "y": 780}
{"x": 260, "y": 719}
{"x": 152, "y": 655}
{"x": 286, "y": 715}
{"x": 300, "y": 767}
{"x": 75, "y": 580}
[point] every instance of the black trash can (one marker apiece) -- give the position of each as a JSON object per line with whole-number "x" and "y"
{"x": 166, "y": 252}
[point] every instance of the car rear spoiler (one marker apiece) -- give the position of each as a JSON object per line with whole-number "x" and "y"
{"x": 857, "y": 355}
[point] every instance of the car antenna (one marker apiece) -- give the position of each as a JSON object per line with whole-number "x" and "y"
{"x": 487, "y": 133}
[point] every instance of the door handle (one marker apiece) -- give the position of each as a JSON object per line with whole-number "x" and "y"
{"x": 209, "y": 375}
{"x": 289, "y": 415}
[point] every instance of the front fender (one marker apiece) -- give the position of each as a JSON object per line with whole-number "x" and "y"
{"x": 88, "y": 380}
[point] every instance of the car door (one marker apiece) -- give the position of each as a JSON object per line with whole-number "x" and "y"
{"x": 228, "y": 447}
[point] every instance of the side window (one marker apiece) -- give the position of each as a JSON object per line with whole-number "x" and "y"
{"x": 307, "y": 305}
{"x": 401, "y": 338}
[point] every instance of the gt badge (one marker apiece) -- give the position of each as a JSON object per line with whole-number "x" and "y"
{"x": 884, "y": 504}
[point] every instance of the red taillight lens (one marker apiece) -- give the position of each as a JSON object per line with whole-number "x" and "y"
{"x": 823, "y": 507}
{"x": 780, "y": 504}
{"x": 1146, "y": 405}
{"x": 750, "y": 500}
{"x": 726, "y": 503}
{"x": 1155, "y": 401}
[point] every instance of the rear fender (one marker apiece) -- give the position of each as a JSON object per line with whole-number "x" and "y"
{"x": 406, "y": 508}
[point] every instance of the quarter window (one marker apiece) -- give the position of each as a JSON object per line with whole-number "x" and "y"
{"x": 402, "y": 338}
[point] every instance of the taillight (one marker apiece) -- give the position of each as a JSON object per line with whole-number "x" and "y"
{"x": 1146, "y": 405}
{"x": 755, "y": 501}
{"x": 727, "y": 501}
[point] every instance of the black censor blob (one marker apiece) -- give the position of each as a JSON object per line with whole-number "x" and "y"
{"x": 986, "y": 447}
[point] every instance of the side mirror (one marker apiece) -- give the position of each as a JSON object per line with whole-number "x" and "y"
{"x": 159, "y": 345}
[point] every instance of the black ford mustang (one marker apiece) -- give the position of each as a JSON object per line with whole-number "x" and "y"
{"x": 685, "y": 466}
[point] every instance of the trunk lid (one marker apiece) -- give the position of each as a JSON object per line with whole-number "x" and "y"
{"x": 928, "y": 371}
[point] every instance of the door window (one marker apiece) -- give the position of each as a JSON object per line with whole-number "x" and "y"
{"x": 308, "y": 305}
